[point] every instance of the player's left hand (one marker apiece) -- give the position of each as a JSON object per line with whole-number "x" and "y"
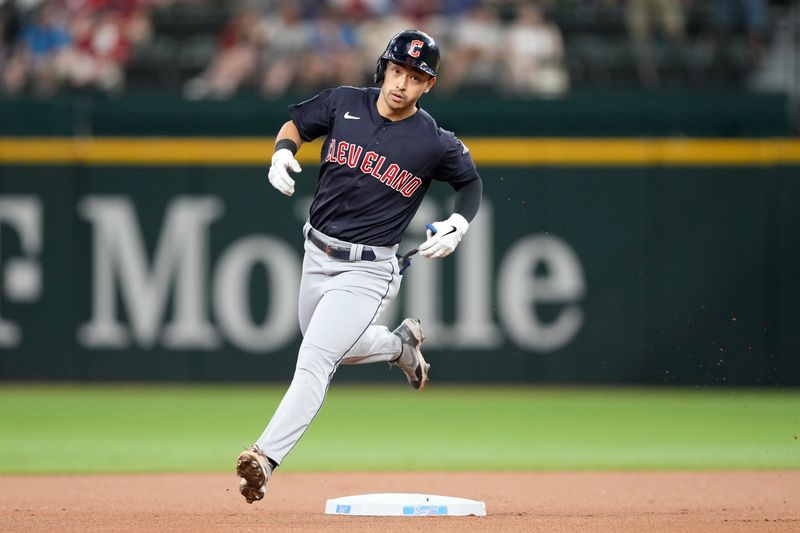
{"x": 444, "y": 240}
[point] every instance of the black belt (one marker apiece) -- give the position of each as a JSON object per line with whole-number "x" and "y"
{"x": 338, "y": 251}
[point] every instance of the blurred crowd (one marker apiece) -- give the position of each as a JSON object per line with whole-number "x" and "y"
{"x": 337, "y": 43}
{"x": 516, "y": 47}
{"x": 81, "y": 43}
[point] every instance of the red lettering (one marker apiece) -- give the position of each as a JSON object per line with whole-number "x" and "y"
{"x": 369, "y": 159}
{"x": 400, "y": 180}
{"x": 412, "y": 186}
{"x": 340, "y": 156}
{"x": 331, "y": 150}
{"x": 354, "y": 155}
{"x": 390, "y": 173}
{"x": 345, "y": 153}
{"x": 376, "y": 172}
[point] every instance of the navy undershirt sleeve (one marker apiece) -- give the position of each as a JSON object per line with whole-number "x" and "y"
{"x": 468, "y": 199}
{"x": 457, "y": 168}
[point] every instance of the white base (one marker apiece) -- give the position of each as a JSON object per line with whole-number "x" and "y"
{"x": 404, "y": 504}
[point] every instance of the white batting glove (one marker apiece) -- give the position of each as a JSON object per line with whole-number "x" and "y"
{"x": 282, "y": 162}
{"x": 448, "y": 235}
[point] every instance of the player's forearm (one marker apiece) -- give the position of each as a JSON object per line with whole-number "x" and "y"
{"x": 468, "y": 199}
{"x": 289, "y": 132}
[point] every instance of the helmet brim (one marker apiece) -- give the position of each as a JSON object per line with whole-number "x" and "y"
{"x": 411, "y": 62}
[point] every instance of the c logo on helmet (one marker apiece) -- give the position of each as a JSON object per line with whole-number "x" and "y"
{"x": 414, "y": 47}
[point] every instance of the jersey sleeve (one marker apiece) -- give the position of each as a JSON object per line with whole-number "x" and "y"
{"x": 456, "y": 165}
{"x": 313, "y": 117}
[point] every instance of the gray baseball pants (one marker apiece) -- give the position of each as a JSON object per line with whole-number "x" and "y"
{"x": 339, "y": 303}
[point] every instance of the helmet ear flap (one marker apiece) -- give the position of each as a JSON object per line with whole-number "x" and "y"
{"x": 380, "y": 70}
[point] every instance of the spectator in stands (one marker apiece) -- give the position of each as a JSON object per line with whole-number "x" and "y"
{"x": 136, "y": 20}
{"x": 374, "y": 32}
{"x": 286, "y": 38}
{"x": 133, "y": 16}
{"x": 39, "y": 54}
{"x": 102, "y": 49}
{"x": 417, "y": 11}
{"x": 534, "y": 56}
{"x": 332, "y": 56}
{"x": 475, "y": 44}
{"x": 642, "y": 17}
{"x": 239, "y": 45}
{"x": 9, "y": 26}
{"x": 457, "y": 8}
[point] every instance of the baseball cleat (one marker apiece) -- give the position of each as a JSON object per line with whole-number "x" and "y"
{"x": 254, "y": 469}
{"x": 410, "y": 360}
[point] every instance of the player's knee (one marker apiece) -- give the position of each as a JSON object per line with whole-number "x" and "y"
{"x": 314, "y": 362}
{"x": 315, "y": 381}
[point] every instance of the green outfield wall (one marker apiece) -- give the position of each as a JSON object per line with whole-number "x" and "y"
{"x": 629, "y": 260}
{"x": 695, "y": 113}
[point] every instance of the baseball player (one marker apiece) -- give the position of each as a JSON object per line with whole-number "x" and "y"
{"x": 380, "y": 155}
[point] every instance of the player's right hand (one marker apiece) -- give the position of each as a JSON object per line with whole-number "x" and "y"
{"x": 282, "y": 162}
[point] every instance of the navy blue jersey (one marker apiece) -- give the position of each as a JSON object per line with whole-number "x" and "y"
{"x": 375, "y": 172}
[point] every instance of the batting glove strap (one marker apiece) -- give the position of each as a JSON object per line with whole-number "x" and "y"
{"x": 448, "y": 235}
{"x": 283, "y": 161}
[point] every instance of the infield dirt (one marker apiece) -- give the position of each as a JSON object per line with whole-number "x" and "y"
{"x": 528, "y": 501}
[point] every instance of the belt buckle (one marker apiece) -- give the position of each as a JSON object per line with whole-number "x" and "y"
{"x": 328, "y": 249}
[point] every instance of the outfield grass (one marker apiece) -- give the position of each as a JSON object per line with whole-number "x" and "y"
{"x": 132, "y": 428}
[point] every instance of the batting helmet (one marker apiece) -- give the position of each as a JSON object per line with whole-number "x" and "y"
{"x": 411, "y": 47}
